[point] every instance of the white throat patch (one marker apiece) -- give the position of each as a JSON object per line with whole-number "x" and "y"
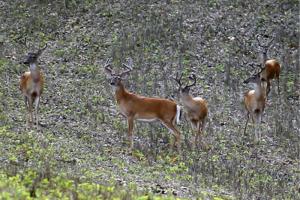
{"x": 33, "y": 66}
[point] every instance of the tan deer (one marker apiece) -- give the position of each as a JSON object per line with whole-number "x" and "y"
{"x": 195, "y": 107}
{"x": 269, "y": 72}
{"x": 136, "y": 107}
{"x": 270, "y": 68}
{"x": 31, "y": 85}
{"x": 255, "y": 101}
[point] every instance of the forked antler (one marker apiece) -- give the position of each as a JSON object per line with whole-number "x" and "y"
{"x": 129, "y": 67}
{"x": 192, "y": 77}
{"x": 178, "y": 79}
{"x": 40, "y": 51}
{"x": 107, "y": 66}
{"x": 256, "y": 67}
{"x": 264, "y": 46}
{"x": 33, "y": 57}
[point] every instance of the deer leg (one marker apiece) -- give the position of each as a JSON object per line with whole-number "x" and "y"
{"x": 255, "y": 129}
{"x": 200, "y": 132}
{"x": 256, "y": 126}
{"x": 194, "y": 129}
{"x": 203, "y": 124}
{"x": 255, "y": 134}
{"x": 30, "y": 102}
{"x": 27, "y": 110}
{"x": 268, "y": 88}
{"x": 37, "y": 103}
{"x": 130, "y": 129}
{"x": 259, "y": 117}
{"x": 246, "y": 123}
{"x": 278, "y": 89}
{"x": 259, "y": 132}
{"x": 174, "y": 131}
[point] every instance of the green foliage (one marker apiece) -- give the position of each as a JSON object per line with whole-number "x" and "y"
{"x": 61, "y": 187}
{"x": 39, "y": 183}
{"x": 219, "y": 68}
{"x": 59, "y": 52}
{"x": 88, "y": 70}
{"x": 3, "y": 63}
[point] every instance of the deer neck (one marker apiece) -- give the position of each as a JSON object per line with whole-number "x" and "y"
{"x": 264, "y": 74}
{"x": 263, "y": 58}
{"x": 187, "y": 100}
{"x": 34, "y": 71}
{"x": 260, "y": 90}
{"x": 120, "y": 92}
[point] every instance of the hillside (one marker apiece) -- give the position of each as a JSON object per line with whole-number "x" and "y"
{"x": 81, "y": 151}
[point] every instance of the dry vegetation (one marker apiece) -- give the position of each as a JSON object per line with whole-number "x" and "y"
{"x": 80, "y": 151}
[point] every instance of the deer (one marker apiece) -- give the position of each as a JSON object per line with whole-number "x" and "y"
{"x": 255, "y": 101}
{"x": 31, "y": 84}
{"x": 148, "y": 109}
{"x": 270, "y": 68}
{"x": 196, "y": 107}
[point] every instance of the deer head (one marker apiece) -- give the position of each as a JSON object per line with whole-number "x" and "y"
{"x": 32, "y": 57}
{"x": 185, "y": 89}
{"x": 116, "y": 79}
{"x": 257, "y": 80}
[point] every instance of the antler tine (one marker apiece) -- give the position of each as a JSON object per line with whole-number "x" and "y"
{"x": 107, "y": 66}
{"x": 129, "y": 67}
{"x": 25, "y": 42}
{"x": 258, "y": 70}
{"x": 107, "y": 63}
{"x": 178, "y": 80}
{"x": 270, "y": 43}
{"x": 193, "y": 77}
{"x": 253, "y": 65}
{"x": 46, "y": 45}
{"x": 261, "y": 45}
{"x": 40, "y": 51}
{"x": 130, "y": 64}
